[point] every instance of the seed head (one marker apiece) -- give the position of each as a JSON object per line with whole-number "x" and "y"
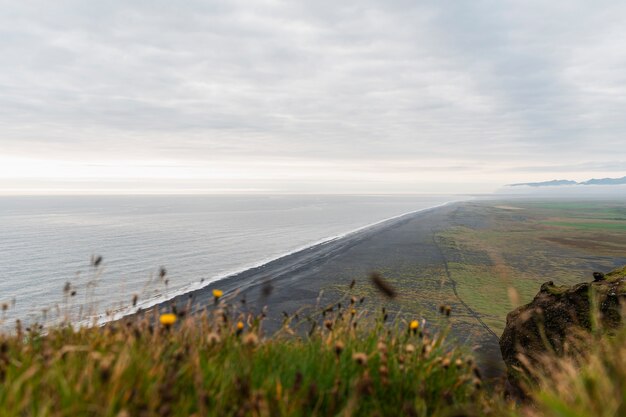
{"x": 360, "y": 358}
{"x": 251, "y": 340}
{"x": 96, "y": 261}
{"x": 213, "y": 338}
{"x": 339, "y": 346}
{"x": 381, "y": 285}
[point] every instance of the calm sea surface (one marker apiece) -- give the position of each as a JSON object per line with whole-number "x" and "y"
{"x": 46, "y": 242}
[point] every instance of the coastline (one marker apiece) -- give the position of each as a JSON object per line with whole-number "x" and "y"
{"x": 239, "y": 278}
{"x": 293, "y": 262}
{"x": 405, "y": 249}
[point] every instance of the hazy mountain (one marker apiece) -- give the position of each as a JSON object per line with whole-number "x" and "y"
{"x": 545, "y": 183}
{"x": 553, "y": 183}
{"x": 606, "y": 181}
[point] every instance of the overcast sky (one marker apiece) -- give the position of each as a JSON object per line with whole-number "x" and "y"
{"x": 317, "y": 96}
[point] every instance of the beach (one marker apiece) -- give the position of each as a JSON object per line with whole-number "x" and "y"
{"x": 403, "y": 249}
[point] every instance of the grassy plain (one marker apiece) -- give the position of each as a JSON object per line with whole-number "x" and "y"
{"x": 500, "y": 258}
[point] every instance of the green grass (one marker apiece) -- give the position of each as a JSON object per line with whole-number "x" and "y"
{"x": 588, "y": 225}
{"x": 521, "y": 249}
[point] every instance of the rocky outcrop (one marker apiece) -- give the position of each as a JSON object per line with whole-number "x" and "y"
{"x": 557, "y": 312}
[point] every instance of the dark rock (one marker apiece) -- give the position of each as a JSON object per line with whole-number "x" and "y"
{"x": 598, "y": 276}
{"x": 556, "y": 312}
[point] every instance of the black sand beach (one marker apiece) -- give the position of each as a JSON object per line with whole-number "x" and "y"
{"x": 403, "y": 249}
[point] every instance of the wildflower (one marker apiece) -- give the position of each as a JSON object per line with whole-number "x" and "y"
{"x": 240, "y": 326}
{"x": 353, "y": 312}
{"x": 445, "y": 363}
{"x": 217, "y": 294}
{"x": 360, "y": 358}
{"x": 459, "y": 363}
{"x": 409, "y": 348}
{"x": 413, "y": 326}
{"x": 167, "y": 319}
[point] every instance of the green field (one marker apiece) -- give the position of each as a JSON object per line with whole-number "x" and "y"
{"x": 500, "y": 252}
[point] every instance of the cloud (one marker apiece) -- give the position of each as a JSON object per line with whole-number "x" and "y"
{"x": 484, "y": 85}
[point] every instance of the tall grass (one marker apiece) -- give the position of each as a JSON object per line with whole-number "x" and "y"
{"x": 341, "y": 362}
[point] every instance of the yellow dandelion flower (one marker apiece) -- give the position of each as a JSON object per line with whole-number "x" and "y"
{"x": 414, "y": 325}
{"x": 353, "y": 311}
{"x": 218, "y": 293}
{"x": 167, "y": 319}
{"x": 240, "y": 325}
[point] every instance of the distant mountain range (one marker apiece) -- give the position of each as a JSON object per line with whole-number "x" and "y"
{"x": 557, "y": 183}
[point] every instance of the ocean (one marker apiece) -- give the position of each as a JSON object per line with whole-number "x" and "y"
{"x": 48, "y": 244}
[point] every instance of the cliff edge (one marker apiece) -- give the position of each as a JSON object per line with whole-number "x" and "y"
{"x": 557, "y": 312}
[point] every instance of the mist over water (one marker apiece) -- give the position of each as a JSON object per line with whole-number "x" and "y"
{"x": 48, "y": 241}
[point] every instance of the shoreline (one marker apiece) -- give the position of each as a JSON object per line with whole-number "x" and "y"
{"x": 236, "y": 277}
{"x": 293, "y": 262}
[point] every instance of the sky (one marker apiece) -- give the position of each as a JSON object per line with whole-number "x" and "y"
{"x": 391, "y": 96}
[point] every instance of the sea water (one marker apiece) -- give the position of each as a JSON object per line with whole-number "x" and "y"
{"x": 48, "y": 244}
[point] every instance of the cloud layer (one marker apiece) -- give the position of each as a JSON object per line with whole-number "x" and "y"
{"x": 311, "y": 96}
